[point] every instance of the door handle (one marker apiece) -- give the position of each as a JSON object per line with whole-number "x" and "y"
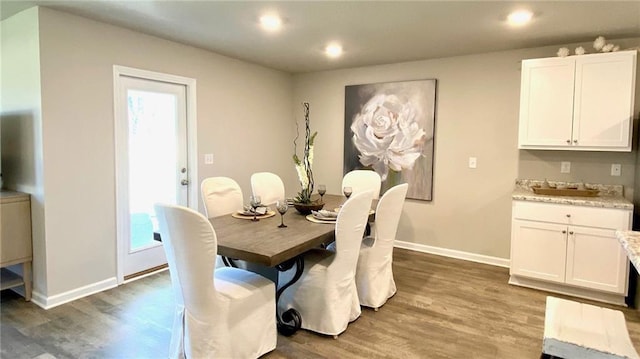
{"x": 184, "y": 182}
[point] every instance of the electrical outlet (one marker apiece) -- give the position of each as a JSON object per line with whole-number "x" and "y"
{"x": 565, "y": 167}
{"x": 616, "y": 169}
{"x": 208, "y": 159}
{"x": 473, "y": 162}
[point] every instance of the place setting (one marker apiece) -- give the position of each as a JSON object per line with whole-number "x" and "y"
{"x": 255, "y": 211}
{"x": 322, "y": 216}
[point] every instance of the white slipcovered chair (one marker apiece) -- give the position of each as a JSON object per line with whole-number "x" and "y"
{"x": 268, "y": 186}
{"x": 363, "y": 180}
{"x": 325, "y": 295}
{"x": 374, "y": 274}
{"x": 221, "y": 313}
{"x": 221, "y": 196}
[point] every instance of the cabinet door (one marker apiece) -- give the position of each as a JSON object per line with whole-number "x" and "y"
{"x": 604, "y": 96}
{"x": 546, "y": 102}
{"x": 595, "y": 259}
{"x": 538, "y": 250}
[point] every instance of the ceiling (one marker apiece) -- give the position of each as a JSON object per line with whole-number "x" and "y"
{"x": 372, "y": 32}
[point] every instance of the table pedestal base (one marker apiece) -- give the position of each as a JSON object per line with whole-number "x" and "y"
{"x": 290, "y": 321}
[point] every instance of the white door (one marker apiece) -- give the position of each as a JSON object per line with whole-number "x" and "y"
{"x": 538, "y": 250}
{"x": 595, "y": 259}
{"x": 604, "y": 98}
{"x": 152, "y": 166}
{"x": 546, "y": 102}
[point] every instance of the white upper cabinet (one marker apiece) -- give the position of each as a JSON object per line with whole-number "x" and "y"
{"x": 578, "y": 102}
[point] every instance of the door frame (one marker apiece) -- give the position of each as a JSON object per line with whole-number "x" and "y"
{"x": 121, "y": 154}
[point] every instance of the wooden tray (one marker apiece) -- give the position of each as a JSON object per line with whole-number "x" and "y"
{"x": 569, "y": 191}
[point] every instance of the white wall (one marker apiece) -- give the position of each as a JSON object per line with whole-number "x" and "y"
{"x": 237, "y": 104}
{"x": 21, "y": 123}
{"x": 476, "y": 115}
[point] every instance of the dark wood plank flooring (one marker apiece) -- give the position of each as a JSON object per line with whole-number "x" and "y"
{"x": 444, "y": 308}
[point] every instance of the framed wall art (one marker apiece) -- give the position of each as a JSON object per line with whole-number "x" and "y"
{"x": 389, "y": 128}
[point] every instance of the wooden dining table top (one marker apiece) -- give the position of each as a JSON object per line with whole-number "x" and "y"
{"x": 264, "y": 243}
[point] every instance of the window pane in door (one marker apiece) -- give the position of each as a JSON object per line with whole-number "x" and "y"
{"x": 152, "y": 160}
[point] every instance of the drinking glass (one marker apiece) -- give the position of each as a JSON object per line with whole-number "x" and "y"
{"x": 255, "y": 202}
{"x": 322, "y": 189}
{"x": 347, "y": 191}
{"x": 282, "y": 207}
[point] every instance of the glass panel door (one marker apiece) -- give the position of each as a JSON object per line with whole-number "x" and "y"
{"x": 156, "y": 164}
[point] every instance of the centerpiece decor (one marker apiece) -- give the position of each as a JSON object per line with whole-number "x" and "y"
{"x": 303, "y": 202}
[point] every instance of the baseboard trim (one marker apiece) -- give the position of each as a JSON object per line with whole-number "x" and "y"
{"x": 53, "y": 301}
{"x": 611, "y": 298}
{"x": 452, "y": 253}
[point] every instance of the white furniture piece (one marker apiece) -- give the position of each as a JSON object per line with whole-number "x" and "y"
{"x": 221, "y": 196}
{"x": 575, "y": 330}
{"x": 325, "y": 295}
{"x": 570, "y": 249}
{"x": 578, "y": 102}
{"x": 220, "y": 312}
{"x": 15, "y": 240}
{"x": 268, "y": 186}
{"x": 374, "y": 273}
{"x": 363, "y": 180}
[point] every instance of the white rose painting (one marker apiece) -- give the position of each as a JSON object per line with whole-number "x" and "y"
{"x": 389, "y": 128}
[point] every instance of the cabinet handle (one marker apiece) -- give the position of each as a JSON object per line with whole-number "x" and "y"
{"x": 571, "y": 232}
{"x": 568, "y": 141}
{"x": 564, "y": 232}
{"x": 575, "y": 141}
{"x": 568, "y": 216}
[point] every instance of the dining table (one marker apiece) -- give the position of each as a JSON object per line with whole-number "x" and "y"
{"x": 264, "y": 243}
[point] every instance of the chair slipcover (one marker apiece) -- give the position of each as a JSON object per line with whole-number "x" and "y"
{"x": 363, "y": 180}
{"x": 326, "y": 294}
{"x": 268, "y": 186}
{"x": 374, "y": 275}
{"x": 221, "y": 196}
{"x": 221, "y": 313}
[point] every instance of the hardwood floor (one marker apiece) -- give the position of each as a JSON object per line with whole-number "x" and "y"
{"x": 444, "y": 308}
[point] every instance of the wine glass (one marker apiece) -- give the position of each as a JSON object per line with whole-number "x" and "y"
{"x": 282, "y": 207}
{"x": 255, "y": 202}
{"x": 347, "y": 191}
{"x": 322, "y": 189}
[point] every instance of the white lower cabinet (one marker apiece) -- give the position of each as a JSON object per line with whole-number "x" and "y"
{"x": 569, "y": 249}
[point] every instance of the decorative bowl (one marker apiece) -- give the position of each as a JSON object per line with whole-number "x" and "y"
{"x": 306, "y": 208}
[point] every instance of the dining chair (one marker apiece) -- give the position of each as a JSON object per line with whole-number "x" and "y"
{"x": 363, "y": 180}
{"x": 325, "y": 295}
{"x": 268, "y": 186}
{"x": 374, "y": 273}
{"x": 221, "y": 196}
{"x": 220, "y": 312}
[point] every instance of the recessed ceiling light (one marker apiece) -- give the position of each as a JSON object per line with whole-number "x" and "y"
{"x": 333, "y": 50}
{"x": 520, "y": 17}
{"x": 271, "y": 22}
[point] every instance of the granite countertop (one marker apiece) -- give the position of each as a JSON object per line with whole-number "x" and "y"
{"x": 610, "y": 196}
{"x": 630, "y": 241}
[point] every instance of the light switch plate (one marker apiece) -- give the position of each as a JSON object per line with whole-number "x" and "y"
{"x": 208, "y": 159}
{"x": 565, "y": 167}
{"x": 473, "y": 162}
{"x": 616, "y": 169}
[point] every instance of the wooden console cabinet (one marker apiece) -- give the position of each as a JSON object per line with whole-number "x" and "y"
{"x": 15, "y": 240}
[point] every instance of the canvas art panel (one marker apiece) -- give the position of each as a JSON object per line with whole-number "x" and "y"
{"x": 389, "y": 128}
